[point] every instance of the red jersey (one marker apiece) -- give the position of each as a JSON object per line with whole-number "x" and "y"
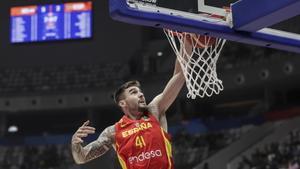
{"x": 143, "y": 144}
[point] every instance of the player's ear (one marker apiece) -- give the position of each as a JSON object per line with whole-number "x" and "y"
{"x": 122, "y": 103}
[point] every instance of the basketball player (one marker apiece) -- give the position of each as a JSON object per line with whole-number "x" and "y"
{"x": 140, "y": 137}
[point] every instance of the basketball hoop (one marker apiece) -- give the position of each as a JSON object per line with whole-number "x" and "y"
{"x": 198, "y": 62}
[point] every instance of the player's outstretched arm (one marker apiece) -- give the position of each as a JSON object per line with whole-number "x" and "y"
{"x": 94, "y": 149}
{"x": 173, "y": 87}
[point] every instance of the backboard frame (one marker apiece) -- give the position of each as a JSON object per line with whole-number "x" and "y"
{"x": 145, "y": 12}
{"x": 202, "y": 7}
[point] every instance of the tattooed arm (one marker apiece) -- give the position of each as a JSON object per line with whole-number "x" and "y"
{"x": 94, "y": 149}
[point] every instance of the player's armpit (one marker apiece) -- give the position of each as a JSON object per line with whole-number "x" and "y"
{"x": 94, "y": 149}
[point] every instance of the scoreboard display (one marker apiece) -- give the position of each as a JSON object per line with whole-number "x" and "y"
{"x": 51, "y": 22}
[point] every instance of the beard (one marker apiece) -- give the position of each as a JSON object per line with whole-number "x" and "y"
{"x": 143, "y": 109}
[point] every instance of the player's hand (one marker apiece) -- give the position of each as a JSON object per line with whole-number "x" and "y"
{"x": 82, "y": 132}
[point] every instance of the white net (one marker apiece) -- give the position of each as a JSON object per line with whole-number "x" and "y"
{"x": 198, "y": 61}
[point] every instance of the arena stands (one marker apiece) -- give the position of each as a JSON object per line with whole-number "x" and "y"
{"x": 283, "y": 153}
{"x": 66, "y": 78}
{"x": 37, "y": 156}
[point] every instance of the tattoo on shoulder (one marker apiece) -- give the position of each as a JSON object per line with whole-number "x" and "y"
{"x": 108, "y": 134}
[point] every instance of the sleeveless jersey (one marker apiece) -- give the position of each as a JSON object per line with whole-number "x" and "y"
{"x": 143, "y": 144}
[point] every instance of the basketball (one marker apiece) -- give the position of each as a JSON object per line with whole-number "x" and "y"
{"x": 201, "y": 41}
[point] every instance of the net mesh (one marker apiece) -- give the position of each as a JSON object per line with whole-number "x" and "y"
{"x": 198, "y": 56}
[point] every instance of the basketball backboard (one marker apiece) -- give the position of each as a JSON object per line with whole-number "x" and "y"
{"x": 248, "y": 22}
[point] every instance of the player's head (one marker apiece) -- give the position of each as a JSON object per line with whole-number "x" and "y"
{"x": 129, "y": 96}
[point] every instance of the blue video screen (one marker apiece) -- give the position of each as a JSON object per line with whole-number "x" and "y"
{"x": 51, "y": 22}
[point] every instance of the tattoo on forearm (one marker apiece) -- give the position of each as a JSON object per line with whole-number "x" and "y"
{"x": 96, "y": 148}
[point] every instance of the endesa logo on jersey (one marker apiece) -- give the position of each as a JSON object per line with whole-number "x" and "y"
{"x": 144, "y": 156}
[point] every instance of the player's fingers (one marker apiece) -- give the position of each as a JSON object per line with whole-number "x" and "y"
{"x": 86, "y": 123}
{"x": 80, "y": 135}
{"x": 85, "y": 132}
{"x": 88, "y": 128}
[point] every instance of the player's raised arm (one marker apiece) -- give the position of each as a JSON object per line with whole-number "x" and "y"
{"x": 94, "y": 149}
{"x": 173, "y": 87}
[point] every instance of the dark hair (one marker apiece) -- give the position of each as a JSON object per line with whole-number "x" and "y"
{"x": 119, "y": 92}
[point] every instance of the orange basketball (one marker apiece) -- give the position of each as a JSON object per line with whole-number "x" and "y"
{"x": 202, "y": 41}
